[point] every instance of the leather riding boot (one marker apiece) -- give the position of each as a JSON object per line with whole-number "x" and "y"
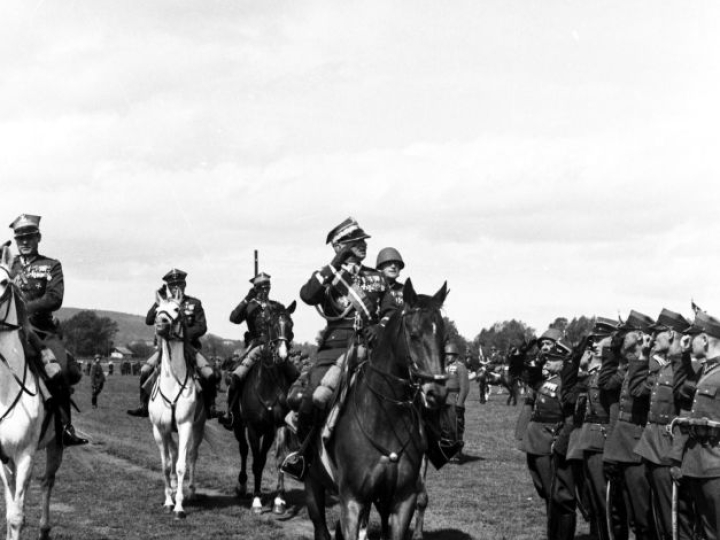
{"x": 296, "y": 463}
{"x": 564, "y": 527}
{"x": 61, "y": 395}
{"x": 209, "y": 389}
{"x": 142, "y": 410}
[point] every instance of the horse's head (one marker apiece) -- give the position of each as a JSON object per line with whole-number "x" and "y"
{"x": 168, "y": 324}
{"x": 279, "y": 325}
{"x": 420, "y": 339}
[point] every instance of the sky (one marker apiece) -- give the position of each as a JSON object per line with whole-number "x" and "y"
{"x": 545, "y": 158}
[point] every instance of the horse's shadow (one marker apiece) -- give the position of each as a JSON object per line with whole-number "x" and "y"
{"x": 467, "y": 458}
{"x": 446, "y": 534}
{"x": 205, "y": 501}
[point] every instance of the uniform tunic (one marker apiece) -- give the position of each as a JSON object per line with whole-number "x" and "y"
{"x": 192, "y": 311}
{"x": 42, "y": 285}
{"x": 458, "y": 383}
{"x": 252, "y": 311}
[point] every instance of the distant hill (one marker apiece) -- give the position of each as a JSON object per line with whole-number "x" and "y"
{"x": 130, "y": 327}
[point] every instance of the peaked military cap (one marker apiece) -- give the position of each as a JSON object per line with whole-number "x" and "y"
{"x": 347, "y": 231}
{"x": 638, "y": 321}
{"x": 175, "y": 276}
{"x": 26, "y": 224}
{"x": 552, "y": 333}
{"x": 669, "y": 320}
{"x": 704, "y": 323}
{"x": 604, "y": 326}
{"x": 262, "y": 277}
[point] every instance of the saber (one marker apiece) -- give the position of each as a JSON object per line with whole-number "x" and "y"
{"x": 675, "y": 489}
{"x": 608, "y": 518}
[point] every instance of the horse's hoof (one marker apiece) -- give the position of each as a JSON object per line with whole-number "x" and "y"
{"x": 257, "y": 506}
{"x": 44, "y": 534}
{"x": 279, "y": 506}
{"x": 167, "y": 508}
{"x": 241, "y": 491}
{"x": 180, "y": 515}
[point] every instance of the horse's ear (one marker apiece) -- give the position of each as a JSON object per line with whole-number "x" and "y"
{"x": 5, "y": 257}
{"x": 441, "y": 294}
{"x": 161, "y": 294}
{"x": 291, "y": 307}
{"x": 409, "y": 294}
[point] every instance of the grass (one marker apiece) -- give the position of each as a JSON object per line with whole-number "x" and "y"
{"x": 112, "y": 489}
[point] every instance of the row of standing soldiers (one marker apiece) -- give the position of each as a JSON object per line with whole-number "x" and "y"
{"x": 626, "y": 426}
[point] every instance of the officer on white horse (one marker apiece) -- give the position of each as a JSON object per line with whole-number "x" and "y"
{"x": 40, "y": 280}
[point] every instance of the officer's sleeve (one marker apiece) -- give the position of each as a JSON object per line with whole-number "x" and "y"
{"x": 684, "y": 380}
{"x": 54, "y": 292}
{"x": 150, "y": 317}
{"x": 199, "y": 326}
{"x": 641, "y": 379}
{"x": 239, "y": 314}
{"x": 609, "y": 377}
{"x": 313, "y": 292}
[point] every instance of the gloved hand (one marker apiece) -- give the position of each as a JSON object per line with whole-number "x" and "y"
{"x": 611, "y": 471}
{"x": 341, "y": 256}
{"x": 252, "y": 293}
{"x": 676, "y": 473}
{"x": 371, "y": 334}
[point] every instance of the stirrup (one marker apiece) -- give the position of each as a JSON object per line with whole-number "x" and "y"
{"x": 295, "y": 465}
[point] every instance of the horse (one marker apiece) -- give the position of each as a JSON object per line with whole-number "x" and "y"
{"x": 25, "y": 424}
{"x": 175, "y": 404}
{"x": 376, "y": 450}
{"x": 262, "y": 407}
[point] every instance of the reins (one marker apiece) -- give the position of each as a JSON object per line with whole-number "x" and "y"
{"x": 183, "y": 385}
{"x": 11, "y": 327}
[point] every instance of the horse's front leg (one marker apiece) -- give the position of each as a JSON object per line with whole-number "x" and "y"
{"x": 422, "y": 503}
{"x": 163, "y": 442}
{"x": 351, "y": 512}
{"x": 401, "y": 517}
{"x": 260, "y": 445}
{"x": 240, "y": 436}
{"x": 54, "y": 456}
{"x": 184, "y": 444}
{"x": 197, "y": 437}
{"x": 13, "y": 512}
{"x": 279, "y": 503}
{"x": 315, "y": 500}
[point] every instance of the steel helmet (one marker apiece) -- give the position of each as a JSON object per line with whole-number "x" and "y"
{"x": 389, "y": 254}
{"x": 451, "y": 348}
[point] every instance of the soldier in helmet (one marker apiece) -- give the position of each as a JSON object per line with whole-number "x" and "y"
{"x": 390, "y": 263}
{"x": 348, "y": 296}
{"x": 458, "y": 386}
{"x": 192, "y": 311}
{"x": 252, "y": 310}
{"x": 41, "y": 283}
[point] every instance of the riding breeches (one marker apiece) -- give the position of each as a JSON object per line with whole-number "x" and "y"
{"x": 247, "y": 363}
{"x": 706, "y": 492}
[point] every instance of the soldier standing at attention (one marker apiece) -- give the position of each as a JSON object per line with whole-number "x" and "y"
{"x": 655, "y": 445}
{"x": 191, "y": 310}
{"x": 622, "y": 465}
{"x": 458, "y": 386}
{"x": 42, "y": 285}
{"x": 701, "y": 459}
{"x": 97, "y": 379}
{"x": 254, "y": 309}
{"x": 348, "y": 296}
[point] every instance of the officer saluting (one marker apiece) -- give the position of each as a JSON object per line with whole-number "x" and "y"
{"x": 701, "y": 459}
{"x": 192, "y": 311}
{"x": 40, "y": 280}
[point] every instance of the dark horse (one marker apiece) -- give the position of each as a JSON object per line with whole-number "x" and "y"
{"x": 504, "y": 379}
{"x": 376, "y": 451}
{"x": 264, "y": 406}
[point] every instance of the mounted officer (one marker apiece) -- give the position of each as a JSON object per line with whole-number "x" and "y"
{"x": 193, "y": 314}
{"x": 41, "y": 283}
{"x": 254, "y": 310}
{"x": 348, "y": 295}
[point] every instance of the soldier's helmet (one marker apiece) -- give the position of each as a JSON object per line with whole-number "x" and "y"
{"x": 389, "y": 254}
{"x": 451, "y": 349}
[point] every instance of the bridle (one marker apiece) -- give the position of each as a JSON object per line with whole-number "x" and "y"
{"x": 176, "y": 334}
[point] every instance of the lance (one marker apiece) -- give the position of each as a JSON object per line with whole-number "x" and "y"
{"x": 256, "y": 262}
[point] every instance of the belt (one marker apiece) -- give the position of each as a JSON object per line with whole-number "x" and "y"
{"x": 547, "y": 419}
{"x": 628, "y": 417}
{"x": 597, "y": 420}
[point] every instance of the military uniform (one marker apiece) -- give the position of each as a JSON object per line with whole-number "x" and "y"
{"x": 656, "y": 443}
{"x": 97, "y": 380}
{"x": 458, "y": 386}
{"x": 42, "y": 286}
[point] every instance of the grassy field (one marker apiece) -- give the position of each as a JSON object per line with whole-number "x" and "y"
{"x": 112, "y": 489}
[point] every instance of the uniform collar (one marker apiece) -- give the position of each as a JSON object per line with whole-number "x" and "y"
{"x": 29, "y": 259}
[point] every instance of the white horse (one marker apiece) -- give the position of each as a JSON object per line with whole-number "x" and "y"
{"x": 24, "y": 424}
{"x": 175, "y": 404}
